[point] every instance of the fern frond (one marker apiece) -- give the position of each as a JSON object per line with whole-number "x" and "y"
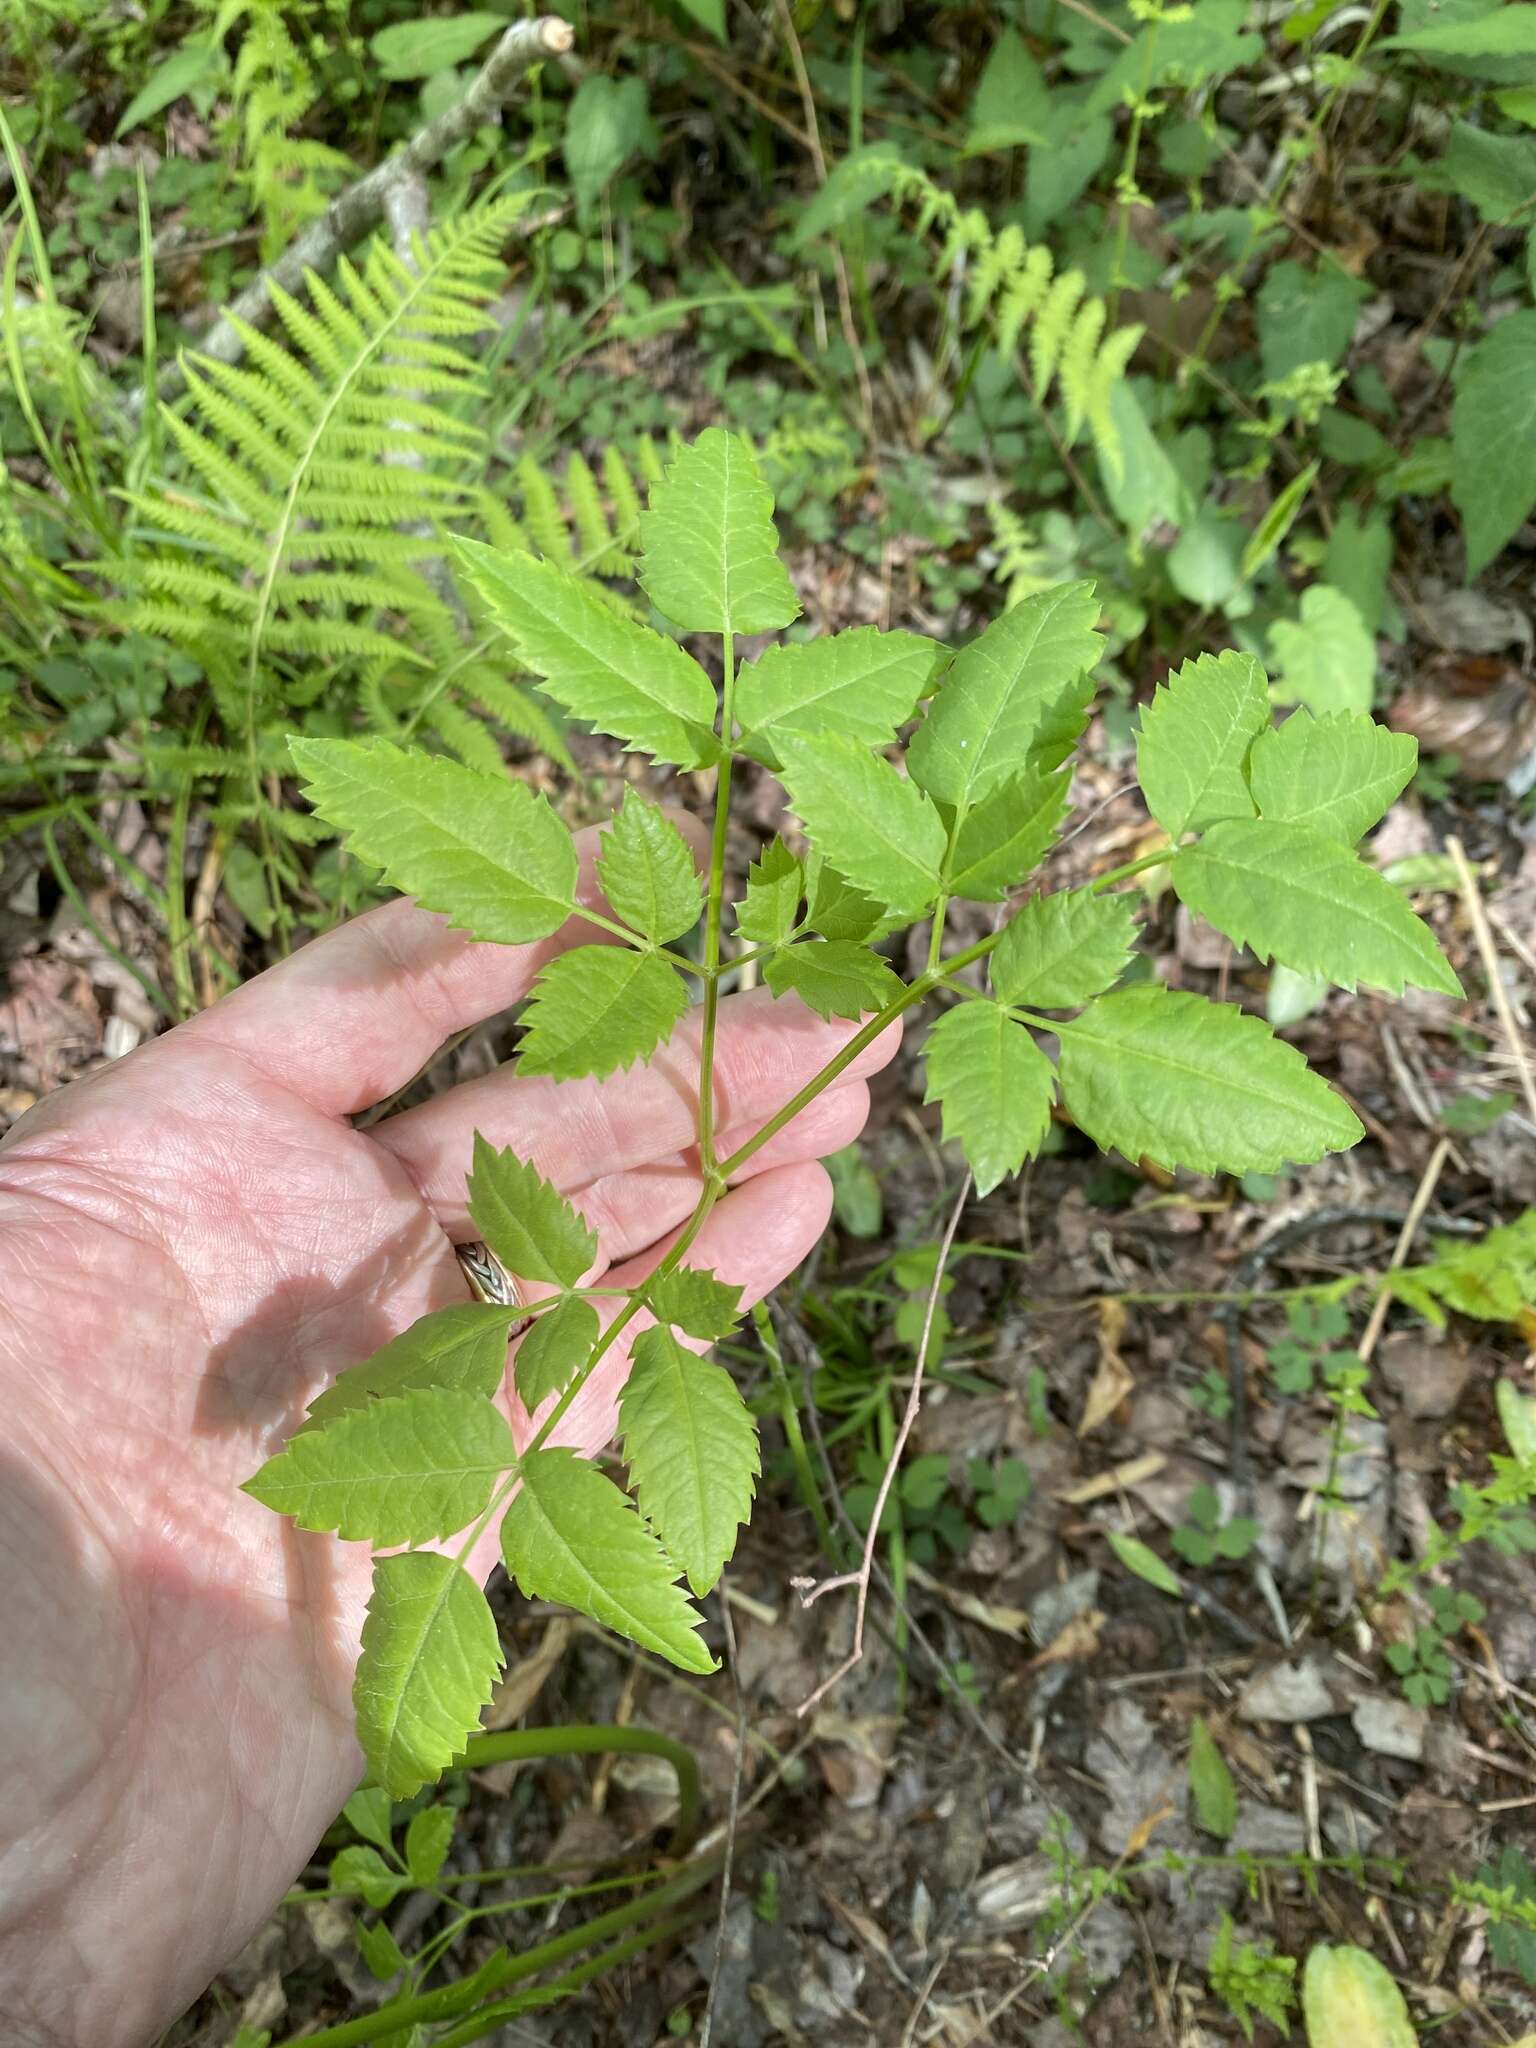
{"x": 464, "y": 736}
{"x": 1021, "y": 296}
{"x": 1109, "y": 368}
{"x": 542, "y": 515}
{"x": 1048, "y": 335}
{"x": 1079, "y": 352}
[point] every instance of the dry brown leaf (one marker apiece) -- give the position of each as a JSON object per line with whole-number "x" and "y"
{"x": 1003, "y": 1621}
{"x": 1145, "y": 1828}
{"x": 1079, "y": 1639}
{"x": 525, "y": 1680}
{"x": 1131, "y": 1473}
{"x": 1113, "y": 1379}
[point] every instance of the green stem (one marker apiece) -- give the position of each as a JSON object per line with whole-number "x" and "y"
{"x": 1134, "y": 867}
{"x": 712, "y": 917}
{"x": 454, "y": 2000}
{"x": 794, "y": 1437}
{"x": 519, "y": 1745}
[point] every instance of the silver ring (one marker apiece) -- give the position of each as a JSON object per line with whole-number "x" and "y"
{"x": 488, "y": 1278}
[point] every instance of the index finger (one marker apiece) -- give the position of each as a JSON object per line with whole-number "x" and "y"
{"x": 357, "y": 1013}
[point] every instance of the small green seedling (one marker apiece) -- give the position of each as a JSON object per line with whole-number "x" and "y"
{"x": 1205, "y": 1538}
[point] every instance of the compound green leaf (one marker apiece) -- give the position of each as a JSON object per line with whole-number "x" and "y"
{"x": 571, "y": 1535}
{"x": 1194, "y": 739}
{"x": 691, "y": 1445}
{"x": 770, "y": 910}
{"x": 1155, "y": 1073}
{"x": 527, "y": 1223}
{"x": 599, "y": 1008}
{"x": 426, "y": 1842}
{"x": 464, "y": 1347}
{"x": 833, "y": 977}
{"x": 862, "y": 684}
{"x": 1002, "y": 838}
{"x": 1291, "y": 894}
{"x": 996, "y": 1088}
{"x": 1493, "y": 437}
{"x": 1211, "y": 1784}
{"x": 430, "y": 1657}
{"x": 362, "y": 1873}
{"x": 876, "y": 828}
{"x": 559, "y": 1343}
{"x": 648, "y": 873}
{"x": 709, "y": 557}
{"x": 695, "y": 1301}
{"x": 1002, "y": 690}
{"x": 406, "y": 1469}
{"x": 1062, "y": 949}
{"x": 597, "y": 664}
{"x": 481, "y": 848}
{"x": 1335, "y": 775}
{"x": 1348, "y": 1999}
{"x": 370, "y": 1810}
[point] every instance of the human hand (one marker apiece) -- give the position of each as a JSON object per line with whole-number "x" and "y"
{"x": 194, "y": 1242}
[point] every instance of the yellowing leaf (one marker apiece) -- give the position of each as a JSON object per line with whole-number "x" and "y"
{"x": 1348, "y": 2001}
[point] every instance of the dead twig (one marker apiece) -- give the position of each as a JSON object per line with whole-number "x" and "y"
{"x": 1472, "y": 897}
{"x": 1405, "y": 1237}
{"x": 363, "y": 204}
{"x": 861, "y": 1577}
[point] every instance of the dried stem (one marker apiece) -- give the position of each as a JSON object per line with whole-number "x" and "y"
{"x": 1472, "y": 896}
{"x": 861, "y": 1577}
{"x": 365, "y": 203}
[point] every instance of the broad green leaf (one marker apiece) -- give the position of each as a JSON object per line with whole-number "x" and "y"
{"x": 1063, "y": 723}
{"x": 996, "y": 1087}
{"x": 1277, "y": 522}
{"x": 1062, "y": 949}
{"x": 1306, "y": 316}
{"x": 463, "y": 1347}
{"x": 371, "y": 1811}
{"x": 607, "y": 121}
{"x": 1336, "y": 775}
{"x": 836, "y": 909}
{"x": 862, "y": 684}
{"x": 481, "y": 848}
{"x": 362, "y": 1873}
{"x": 426, "y": 1842}
{"x": 571, "y": 1535}
{"x": 430, "y": 1658}
{"x": 1493, "y": 437}
{"x": 648, "y": 873}
{"x": 709, "y": 558}
{"x": 597, "y": 664}
{"x": 198, "y": 58}
{"x": 1012, "y": 101}
{"x": 527, "y": 1223}
{"x": 695, "y": 1301}
{"x": 379, "y": 1950}
{"x": 691, "y": 1446}
{"x": 1000, "y": 691}
{"x": 1210, "y": 1783}
{"x": 1517, "y": 1414}
{"x": 1185, "y": 1082}
{"x": 1001, "y": 839}
{"x": 770, "y": 910}
{"x": 1501, "y": 32}
{"x": 709, "y": 14}
{"x": 599, "y": 1008}
{"x": 558, "y": 1344}
{"x": 1325, "y": 657}
{"x": 408, "y": 1469}
{"x": 1348, "y": 2000}
{"x": 1137, "y": 1557}
{"x": 417, "y": 49}
{"x": 1495, "y": 173}
{"x": 1292, "y": 894}
{"x": 875, "y": 827}
{"x": 833, "y": 977}
{"x": 1194, "y": 739}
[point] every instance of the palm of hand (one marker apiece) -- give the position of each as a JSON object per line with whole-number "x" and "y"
{"x": 197, "y": 1241}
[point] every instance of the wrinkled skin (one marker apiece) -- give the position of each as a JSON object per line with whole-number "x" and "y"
{"x": 193, "y": 1242}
